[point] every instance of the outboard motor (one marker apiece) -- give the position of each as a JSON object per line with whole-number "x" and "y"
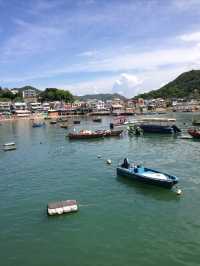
{"x": 176, "y": 129}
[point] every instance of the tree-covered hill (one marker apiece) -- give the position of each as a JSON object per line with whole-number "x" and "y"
{"x": 101, "y": 96}
{"x": 186, "y": 85}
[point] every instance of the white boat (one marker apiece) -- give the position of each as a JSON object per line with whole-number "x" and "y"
{"x": 9, "y": 146}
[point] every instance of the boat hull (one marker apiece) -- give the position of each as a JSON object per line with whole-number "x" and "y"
{"x": 37, "y": 125}
{"x": 97, "y": 120}
{"x": 169, "y": 183}
{"x": 157, "y": 129}
{"x": 9, "y": 148}
{"x": 85, "y": 136}
{"x": 194, "y": 133}
{"x": 113, "y": 133}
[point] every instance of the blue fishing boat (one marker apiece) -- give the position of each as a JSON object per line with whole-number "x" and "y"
{"x": 146, "y": 175}
{"x": 159, "y": 125}
{"x": 37, "y": 124}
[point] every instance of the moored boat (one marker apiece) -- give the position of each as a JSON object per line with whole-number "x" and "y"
{"x": 118, "y": 122}
{"x": 38, "y": 124}
{"x": 64, "y": 125}
{"x": 194, "y": 132}
{"x": 62, "y": 119}
{"x": 53, "y": 122}
{"x": 112, "y": 133}
{"x": 158, "y": 125}
{"x": 76, "y": 122}
{"x": 86, "y": 134}
{"x": 146, "y": 175}
{"x": 9, "y": 146}
{"x": 97, "y": 120}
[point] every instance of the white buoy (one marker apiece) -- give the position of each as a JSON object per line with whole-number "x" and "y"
{"x": 108, "y": 161}
{"x": 178, "y": 192}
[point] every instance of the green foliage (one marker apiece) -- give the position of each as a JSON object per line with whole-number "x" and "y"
{"x": 187, "y": 85}
{"x": 53, "y": 94}
{"x": 7, "y": 95}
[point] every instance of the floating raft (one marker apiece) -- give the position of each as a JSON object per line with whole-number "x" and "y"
{"x": 62, "y": 207}
{"x": 9, "y": 146}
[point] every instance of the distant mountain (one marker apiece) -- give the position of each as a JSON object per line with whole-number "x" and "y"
{"x": 101, "y": 96}
{"x": 186, "y": 85}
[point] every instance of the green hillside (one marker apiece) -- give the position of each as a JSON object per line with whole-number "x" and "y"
{"x": 101, "y": 96}
{"x": 187, "y": 85}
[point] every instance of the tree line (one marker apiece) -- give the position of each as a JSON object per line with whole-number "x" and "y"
{"x": 49, "y": 94}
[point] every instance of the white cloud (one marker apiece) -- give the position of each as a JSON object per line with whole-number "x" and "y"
{"x": 191, "y": 37}
{"x": 90, "y": 53}
{"x": 127, "y": 84}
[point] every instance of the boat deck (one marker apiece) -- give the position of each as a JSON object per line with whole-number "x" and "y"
{"x": 150, "y": 174}
{"x": 155, "y": 175}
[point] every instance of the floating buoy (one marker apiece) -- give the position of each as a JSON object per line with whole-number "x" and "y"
{"x": 62, "y": 207}
{"x": 108, "y": 161}
{"x": 178, "y": 192}
{"x": 98, "y": 156}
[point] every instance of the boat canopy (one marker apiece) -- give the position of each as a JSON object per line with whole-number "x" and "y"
{"x": 157, "y": 120}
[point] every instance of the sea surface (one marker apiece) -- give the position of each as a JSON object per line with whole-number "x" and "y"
{"x": 120, "y": 222}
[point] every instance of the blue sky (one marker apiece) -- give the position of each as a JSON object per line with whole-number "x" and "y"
{"x": 93, "y": 46}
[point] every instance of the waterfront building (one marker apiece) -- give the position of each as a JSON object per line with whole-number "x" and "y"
{"x": 35, "y": 107}
{"x": 29, "y": 95}
{"x": 45, "y": 107}
{"x": 5, "y": 107}
{"x": 20, "y": 109}
{"x": 20, "y": 106}
{"x": 53, "y": 113}
{"x": 96, "y": 105}
{"x": 14, "y": 91}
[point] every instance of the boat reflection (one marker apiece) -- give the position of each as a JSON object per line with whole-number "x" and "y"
{"x": 147, "y": 190}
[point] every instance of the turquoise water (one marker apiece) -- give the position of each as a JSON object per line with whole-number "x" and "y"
{"x": 120, "y": 222}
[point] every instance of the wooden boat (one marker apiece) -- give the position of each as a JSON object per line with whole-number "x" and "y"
{"x": 113, "y": 133}
{"x": 97, "y": 120}
{"x": 146, "y": 175}
{"x": 9, "y": 146}
{"x": 62, "y": 207}
{"x": 118, "y": 122}
{"x": 64, "y": 125}
{"x": 110, "y": 133}
{"x": 86, "y": 134}
{"x": 195, "y": 133}
{"x": 62, "y": 119}
{"x": 53, "y": 122}
{"x": 76, "y": 122}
